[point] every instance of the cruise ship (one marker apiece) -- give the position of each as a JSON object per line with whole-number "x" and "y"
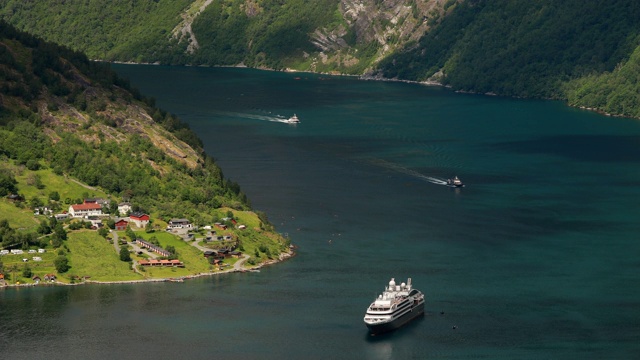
{"x": 396, "y": 306}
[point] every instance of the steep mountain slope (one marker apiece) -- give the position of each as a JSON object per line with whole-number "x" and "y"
{"x": 325, "y": 35}
{"x": 505, "y": 47}
{"x": 522, "y": 48}
{"x": 58, "y": 110}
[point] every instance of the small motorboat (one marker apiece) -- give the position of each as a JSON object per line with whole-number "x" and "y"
{"x": 455, "y": 182}
{"x": 292, "y": 120}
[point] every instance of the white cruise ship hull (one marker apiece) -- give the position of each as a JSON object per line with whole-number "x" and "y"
{"x": 382, "y": 327}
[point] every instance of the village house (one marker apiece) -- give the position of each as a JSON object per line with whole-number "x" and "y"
{"x": 100, "y": 201}
{"x": 179, "y": 224}
{"x": 62, "y": 217}
{"x": 95, "y": 222}
{"x": 139, "y": 218}
{"x": 85, "y": 210}
{"x": 220, "y": 226}
{"x": 121, "y": 225}
{"x": 124, "y": 208}
{"x": 50, "y": 277}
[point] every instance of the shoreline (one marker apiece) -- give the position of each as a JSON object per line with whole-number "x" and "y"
{"x": 282, "y": 257}
{"x": 377, "y": 78}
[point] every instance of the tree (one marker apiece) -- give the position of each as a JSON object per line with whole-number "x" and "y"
{"x": 26, "y": 271}
{"x": 113, "y": 207}
{"x": 173, "y": 254}
{"x": 44, "y": 228}
{"x": 124, "y": 254}
{"x": 59, "y": 232}
{"x": 62, "y": 264}
{"x": 7, "y": 183}
{"x": 130, "y": 233}
{"x": 54, "y": 195}
{"x": 103, "y": 232}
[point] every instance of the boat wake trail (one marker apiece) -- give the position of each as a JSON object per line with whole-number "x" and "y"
{"x": 406, "y": 171}
{"x": 276, "y": 118}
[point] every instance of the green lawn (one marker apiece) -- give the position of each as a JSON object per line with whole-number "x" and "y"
{"x": 64, "y": 186}
{"x": 193, "y": 259}
{"x": 19, "y": 218}
{"x": 90, "y": 254}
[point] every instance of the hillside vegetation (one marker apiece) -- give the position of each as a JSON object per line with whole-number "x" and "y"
{"x": 520, "y": 48}
{"x": 573, "y": 50}
{"x": 108, "y": 30}
{"x": 71, "y": 129}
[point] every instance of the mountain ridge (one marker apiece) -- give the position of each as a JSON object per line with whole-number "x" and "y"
{"x": 536, "y": 49}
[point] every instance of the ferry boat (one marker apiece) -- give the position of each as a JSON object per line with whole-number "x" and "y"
{"x": 292, "y": 120}
{"x": 455, "y": 182}
{"x": 396, "y": 306}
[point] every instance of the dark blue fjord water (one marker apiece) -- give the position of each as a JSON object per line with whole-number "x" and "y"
{"x": 537, "y": 258}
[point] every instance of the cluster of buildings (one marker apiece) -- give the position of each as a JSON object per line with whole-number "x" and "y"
{"x": 92, "y": 210}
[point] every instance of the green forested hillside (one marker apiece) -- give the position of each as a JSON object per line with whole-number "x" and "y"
{"x": 267, "y": 33}
{"x": 613, "y": 92}
{"x": 62, "y": 111}
{"x": 67, "y": 123}
{"x": 108, "y": 30}
{"x": 576, "y": 50}
{"x": 522, "y": 48}
{"x": 273, "y": 36}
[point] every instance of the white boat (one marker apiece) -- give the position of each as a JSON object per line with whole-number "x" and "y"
{"x": 455, "y": 182}
{"x": 396, "y": 306}
{"x": 292, "y": 120}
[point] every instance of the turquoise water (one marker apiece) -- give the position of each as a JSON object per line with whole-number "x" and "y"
{"x": 536, "y": 258}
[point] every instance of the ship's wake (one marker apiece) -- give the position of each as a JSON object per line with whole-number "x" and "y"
{"x": 272, "y": 118}
{"x": 407, "y": 171}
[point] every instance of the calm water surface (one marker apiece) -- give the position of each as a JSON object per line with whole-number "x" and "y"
{"x": 537, "y": 258}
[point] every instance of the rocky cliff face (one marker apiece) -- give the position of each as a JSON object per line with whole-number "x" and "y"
{"x": 382, "y": 25}
{"x": 387, "y": 24}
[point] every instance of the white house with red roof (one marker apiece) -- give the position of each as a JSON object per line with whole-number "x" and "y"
{"x": 139, "y": 218}
{"x": 86, "y": 209}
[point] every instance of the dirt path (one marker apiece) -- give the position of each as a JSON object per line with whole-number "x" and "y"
{"x": 81, "y": 184}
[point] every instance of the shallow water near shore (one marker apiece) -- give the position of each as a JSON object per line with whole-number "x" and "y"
{"x": 536, "y": 258}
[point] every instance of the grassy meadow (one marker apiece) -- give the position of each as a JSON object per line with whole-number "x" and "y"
{"x": 91, "y": 255}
